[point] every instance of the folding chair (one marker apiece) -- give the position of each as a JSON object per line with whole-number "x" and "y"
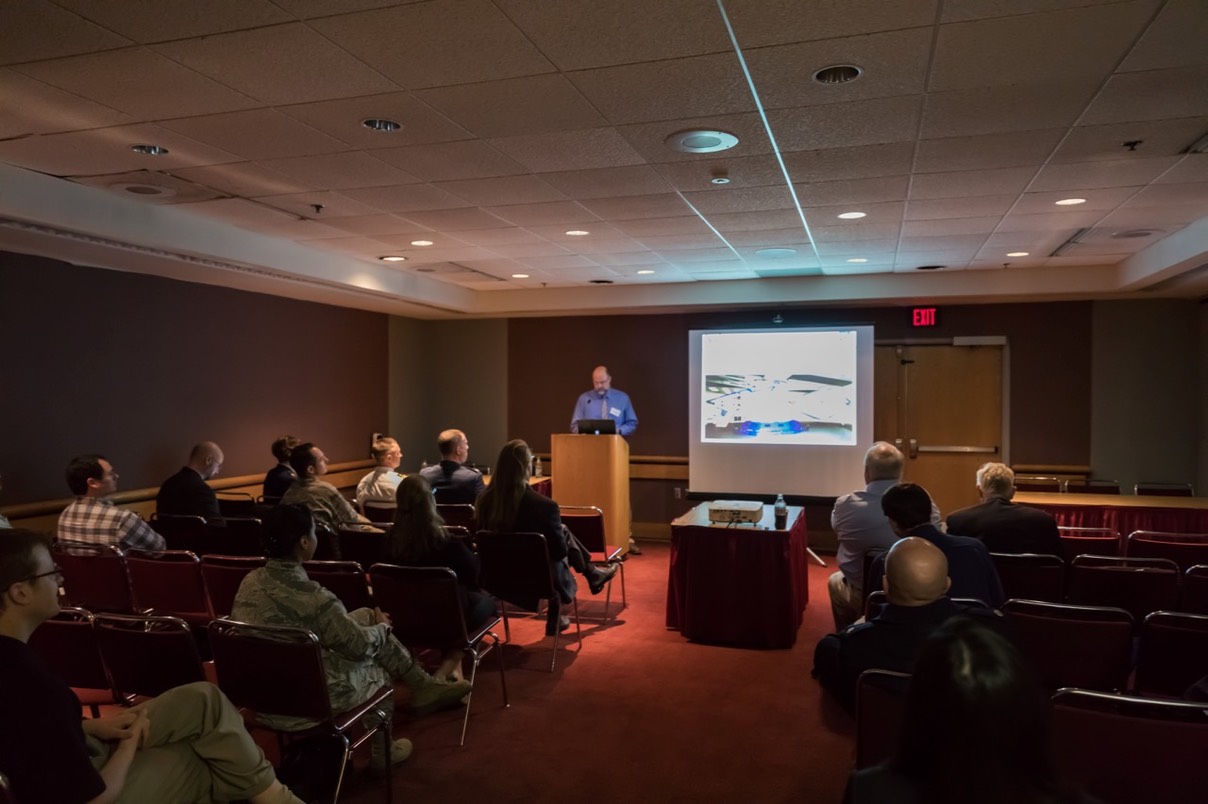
{"x": 328, "y": 548}
{"x": 1174, "y": 653}
{"x": 1137, "y": 585}
{"x": 1051, "y": 485}
{"x": 365, "y": 547}
{"x": 223, "y": 575}
{"x": 67, "y": 644}
{"x": 1149, "y": 489}
{"x": 235, "y": 503}
{"x": 1031, "y": 576}
{"x": 169, "y": 583}
{"x": 516, "y": 569}
{"x": 587, "y": 523}
{"x": 148, "y": 655}
{"x": 461, "y": 515}
{"x": 235, "y": 536}
{"x": 181, "y": 532}
{"x": 1124, "y": 749}
{"x": 880, "y": 706}
{"x": 1073, "y": 646}
{"x": 379, "y": 513}
{"x": 1088, "y": 541}
{"x": 345, "y": 579}
{"x": 1193, "y": 596}
{"x": 1074, "y": 486}
{"x": 1184, "y": 549}
{"x": 273, "y": 670}
{"x": 426, "y": 611}
{"x": 94, "y": 576}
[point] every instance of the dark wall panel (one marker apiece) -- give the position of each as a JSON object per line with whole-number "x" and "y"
{"x": 139, "y": 368}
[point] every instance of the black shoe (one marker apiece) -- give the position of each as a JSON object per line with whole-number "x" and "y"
{"x": 634, "y": 549}
{"x": 563, "y": 624}
{"x": 602, "y": 575}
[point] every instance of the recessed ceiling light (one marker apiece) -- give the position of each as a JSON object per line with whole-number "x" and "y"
{"x": 149, "y": 150}
{"x": 392, "y": 258}
{"x": 838, "y": 74}
{"x": 1017, "y": 253}
{"x": 857, "y": 259}
{"x": 600, "y": 281}
{"x": 381, "y": 124}
{"x": 520, "y": 276}
{"x": 1069, "y": 202}
{"x": 645, "y": 272}
{"x": 1133, "y": 233}
{"x": 700, "y": 141}
{"x": 928, "y": 267}
{"x": 421, "y": 242}
{"x": 775, "y": 253}
{"x": 720, "y": 180}
{"x": 851, "y": 216}
{"x": 578, "y": 232}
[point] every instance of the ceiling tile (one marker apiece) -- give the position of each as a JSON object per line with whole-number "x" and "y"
{"x": 984, "y": 9}
{"x": 1047, "y": 222}
{"x": 1165, "y": 219}
{"x": 794, "y": 235}
{"x": 242, "y": 178}
{"x": 645, "y": 227}
{"x": 526, "y": 250}
{"x": 528, "y": 105}
{"x": 671, "y": 245}
{"x": 569, "y": 150}
{"x": 31, "y": 107}
{"x": 279, "y": 65}
{"x": 914, "y": 245}
{"x": 607, "y": 182}
{"x": 454, "y": 220}
{"x": 950, "y": 226}
{"x": 46, "y": 31}
{"x": 648, "y": 139}
{"x": 1115, "y": 173}
{"x": 755, "y": 221}
{"x": 257, "y": 134}
{"x": 451, "y": 252}
{"x": 1025, "y": 107}
{"x": 853, "y": 191}
{"x": 986, "y": 151}
{"x": 550, "y": 213}
{"x": 139, "y": 82}
{"x": 1100, "y": 199}
{"x": 749, "y": 171}
{"x": 750, "y": 200}
{"x": 774, "y": 22}
{"x": 844, "y": 124}
{"x": 502, "y": 190}
{"x": 965, "y": 207}
{"x": 1191, "y": 167}
{"x": 450, "y": 161}
{"x": 874, "y": 213}
{"x": 858, "y": 162}
{"x": 379, "y": 226}
{"x": 557, "y": 233}
{"x": 439, "y": 43}
{"x": 406, "y": 198}
{"x": 581, "y": 34}
{"x": 855, "y": 231}
{"x": 1175, "y": 39}
{"x": 664, "y": 205}
{"x": 342, "y": 119}
{"x": 1192, "y": 195}
{"x": 499, "y": 237}
{"x": 717, "y": 256}
{"x": 1158, "y": 138}
{"x": 156, "y": 21}
{"x": 666, "y": 90}
{"x": 872, "y": 250}
{"x": 1033, "y": 49}
{"x": 625, "y": 262}
{"x": 971, "y": 183}
{"x": 107, "y": 150}
{"x": 359, "y": 246}
{"x": 1153, "y": 95}
{"x": 340, "y": 171}
{"x": 334, "y": 205}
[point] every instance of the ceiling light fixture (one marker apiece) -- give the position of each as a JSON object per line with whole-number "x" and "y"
{"x": 928, "y": 267}
{"x": 851, "y": 216}
{"x": 1131, "y": 234}
{"x": 578, "y": 232}
{"x": 520, "y": 276}
{"x": 149, "y": 150}
{"x": 700, "y": 141}
{"x": 599, "y": 281}
{"x": 1069, "y": 202}
{"x": 381, "y": 124}
{"x": 421, "y": 242}
{"x": 857, "y": 259}
{"x": 838, "y": 74}
{"x": 1017, "y": 253}
{"x": 392, "y": 258}
{"x": 775, "y": 253}
{"x": 645, "y": 272}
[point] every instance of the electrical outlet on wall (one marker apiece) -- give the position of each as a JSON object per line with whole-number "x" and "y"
{"x": 679, "y": 493}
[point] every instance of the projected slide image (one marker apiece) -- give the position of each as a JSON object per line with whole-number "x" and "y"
{"x": 798, "y": 388}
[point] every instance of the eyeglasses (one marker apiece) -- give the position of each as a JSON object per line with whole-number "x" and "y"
{"x": 57, "y": 571}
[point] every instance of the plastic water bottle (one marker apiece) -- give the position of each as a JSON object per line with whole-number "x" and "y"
{"x": 539, "y": 470}
{"x": 781, "y": 510}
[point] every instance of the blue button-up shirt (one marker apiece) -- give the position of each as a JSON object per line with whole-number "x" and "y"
{"x": 610, "y": 404}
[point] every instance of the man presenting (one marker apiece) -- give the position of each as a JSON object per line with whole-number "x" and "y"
{"x": 605, "y": 402}
{"x": 452, "y": 481}
{"x": 1001, "y": 525}
{"x": 92, "y": 518}
{"x": 186, "y": 493}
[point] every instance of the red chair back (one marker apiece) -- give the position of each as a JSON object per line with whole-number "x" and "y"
{"x": 1092, "y": 487}
{"x": 587, "y": 523}
{"x": 67, "y": 644}
{"x": 148, "y": 655}
{"x": 235, "y": 536}
{"x": 1174, "y": 653}
{"x": 1031, "y": 576}
{"x": 515, "y": 567}
{"x": 1137, "y": 585}
{"x": 424, "y": 604}
{"x": 1073, "y": 646}
{"x": 169, "y": 583}
{"x": 380, "y": 513}
{"x": 223, "y": 575}
{"x": 94, "y": 576}
{"x": 1144, "y": 489}
{"x": 1193, "y": 596}
{"x": 880, "y": 706}
{"x": 461, "y": 514}
{"x": 345, "y": 579}
{"x": 235, "y": 503}
{"x": 1184, "y": 549}
{"x": 1088, "y": 541}
{"x": 365, "y": 547}
{"x": 181, "y": 532}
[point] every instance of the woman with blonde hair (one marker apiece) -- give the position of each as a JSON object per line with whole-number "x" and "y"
{"x": 510, "y": 505}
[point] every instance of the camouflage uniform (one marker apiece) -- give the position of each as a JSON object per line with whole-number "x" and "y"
{"x": 325, "y": 502}
{"x": 359, "y": 654}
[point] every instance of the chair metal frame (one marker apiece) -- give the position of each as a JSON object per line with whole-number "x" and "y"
{"x": 181, "y": 531}
{"x": 1097, "y": 539}
{"x": 878, "y": 687}
{"x": 67, "y": 644}
{"x": 1039, "y": 483}
{"x": 147, "y": 655}
{"x": 426, "y": 611}
{"x": 1193, "y": 591}
{"x": 595, "y": 540}
{"x": 461, "y": 514}
{"x": 218, "y": 571}
{"x": 1174, "y": 546}
{"x": 377, "y": 506}
{"x": 344, "y": 579}
{"x": 365, "y": 547}
{"x": 98, "y": 569}
{"x": 1077, "y": 621}
{"x": 235, "y": 503}
{"x": 1085, "y": 569}
{"x": 181, "y": 594}
{"x": 1180, "y": 635}
{"x": 236, "y": 536}
{"x": 277, "y": 670}
{"x": 1089, "y": 486}
{"x": 1034, "y": 572}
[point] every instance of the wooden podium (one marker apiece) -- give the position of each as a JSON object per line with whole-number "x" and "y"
{"x": 594, "y": 470}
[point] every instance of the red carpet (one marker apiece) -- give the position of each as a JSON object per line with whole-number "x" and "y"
{"x": 640, "y": 714}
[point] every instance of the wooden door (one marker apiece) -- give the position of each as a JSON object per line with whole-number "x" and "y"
{"x": 942, "y": 406}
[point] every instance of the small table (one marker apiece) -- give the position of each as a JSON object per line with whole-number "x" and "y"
{"x": 744, "y": 585}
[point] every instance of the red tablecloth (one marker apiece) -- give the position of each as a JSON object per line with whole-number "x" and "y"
{"x": 740, "y": 585}
{"x": 1123, "y": 514}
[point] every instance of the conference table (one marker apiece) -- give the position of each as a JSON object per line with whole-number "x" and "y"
{"x": 1123, "y": 513}
{"x": 738, "y": 584}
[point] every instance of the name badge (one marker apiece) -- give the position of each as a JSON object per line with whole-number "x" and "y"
{"x": 614, "y": 412}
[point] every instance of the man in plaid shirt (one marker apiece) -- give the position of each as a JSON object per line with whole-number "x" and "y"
{"x": 92, "y": 518}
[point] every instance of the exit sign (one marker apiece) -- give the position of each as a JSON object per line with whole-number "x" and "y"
{"x": 922, "y": 317}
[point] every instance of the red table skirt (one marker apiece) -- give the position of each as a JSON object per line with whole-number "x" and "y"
{"x": 738, "y": 586}
{"x": 1124, "y": 520}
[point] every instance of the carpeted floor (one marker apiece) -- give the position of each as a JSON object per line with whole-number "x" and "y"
{"x": 639, "y": 714}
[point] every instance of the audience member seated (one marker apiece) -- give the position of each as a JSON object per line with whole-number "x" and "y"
{"x": 510, "y": 505}
{"x": 1001, "y": 525}
{"x": 417, "y": 539}
{"x": 860, "y": 526}
{"x": 381, "y": 484}
{"x": 974, "y": 730}
{"x": 4, "y": 523}
{"x": 324, "y": 500}
{"x": 92, "y": 518}
{"x": 189, "y": 744}
{"x": 908, "y": 508}
{"x": 359, "y": 653}
{"x": 455, "y": 483}
{"x": 278, "y": 479}
{"x": 916, "y": 581}
{"x": 186, "y": 493}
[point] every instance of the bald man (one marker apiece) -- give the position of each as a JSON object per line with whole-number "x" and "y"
{"x": 186, "y": 493}
{"x": 916, "y": 583}
{"x": 604, "y": 402}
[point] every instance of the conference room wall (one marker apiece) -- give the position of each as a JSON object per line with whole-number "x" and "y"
{"x": 139, "y": 368}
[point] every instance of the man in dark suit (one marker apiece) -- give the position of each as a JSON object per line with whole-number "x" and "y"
{"x": 916, "y": 580}
{"x": 278, "y": 479}
{"x": 1001, "y": 525}
{"x": 186, "y": 492}
{"x": 453, "y": 482}
{"x": 907, "y": 506}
